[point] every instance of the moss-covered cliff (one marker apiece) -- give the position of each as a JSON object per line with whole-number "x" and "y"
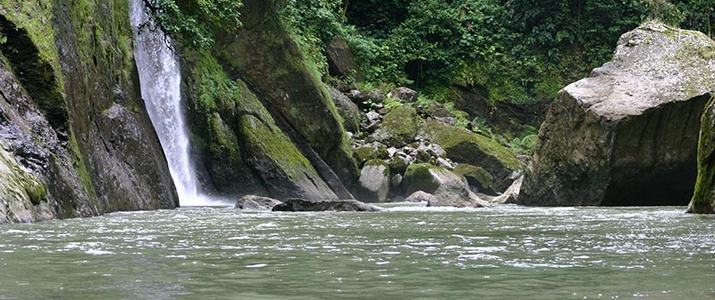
{"x": 262, "y": 121}
{"x": 73, "y": 118}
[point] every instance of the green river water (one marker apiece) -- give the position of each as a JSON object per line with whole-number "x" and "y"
{"x": 506, "y": 252}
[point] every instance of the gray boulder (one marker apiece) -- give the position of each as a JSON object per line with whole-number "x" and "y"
{"x": 253, "y": 202}
{"x": 448, "y": 188}
{"x": 374, "y": 181}
{"x": 403, "y": 94}
{"x": 628, "y": 134}
{"x": 300, "y": 205}
{"x": 420, "y": 196}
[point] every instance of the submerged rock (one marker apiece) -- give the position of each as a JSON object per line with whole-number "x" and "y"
{"x": 628, "y": 134}
{"x": 300, "y": 205}
{"x": 253, "y": 202}
{"x": 703, "y": 201}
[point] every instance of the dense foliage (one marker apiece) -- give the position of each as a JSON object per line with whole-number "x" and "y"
{"x": 509, "y": 50}
{"x": 193, "y": 22}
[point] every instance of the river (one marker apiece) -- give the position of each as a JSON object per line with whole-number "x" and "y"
{"x": 406, "y": 252}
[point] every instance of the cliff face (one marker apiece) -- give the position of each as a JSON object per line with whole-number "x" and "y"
{"x": 263, "y": 122}
{"x": 628, "y": 134}
{"x": 76, "y": 140}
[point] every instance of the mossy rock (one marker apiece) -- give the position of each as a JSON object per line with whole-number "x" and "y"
{"x": 478, "y": 178}
{"x": 464, "y": 146}
{"x": 284, "y": 170}
{"x": 366, "y": 153}
{"x": 418, "y": 178}
{"x": 399, "y": 127}
{"x": 703, "y": 201}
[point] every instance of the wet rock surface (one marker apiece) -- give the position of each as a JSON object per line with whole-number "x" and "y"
{"x": 300, "y": 205}
{"x": 253, "y": 202}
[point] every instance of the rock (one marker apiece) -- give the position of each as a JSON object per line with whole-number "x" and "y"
{"x": 369, "y": 152}
{"x": 374, "y": 181}
{"x": 403, "y": 94}
{"x": 478, "y": 178}
{"x": 300, "y": 205}
{"x": 420, "y": 196}
{"x": 373, "y": 117}
{"x": 253, "y": 202}
{"x": 703, "y": 201}
{"x": 445, "y": 163}
{"x": 396, "y": 180}
{"x": 628, "y": 134}
{"x": 465, "y": 147}
{"x": 341, "y": 62}
{"x": 347, "y": 109}
{"x": 511, "y": 196}
{"x": 448, "y": 188}
{"x": 284, "y": 171}
{"x": 399, "y": 127}
{"x": 399, "y": 162}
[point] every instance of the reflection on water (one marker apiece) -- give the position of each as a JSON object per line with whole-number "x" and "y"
{"x": 403, "y": 253}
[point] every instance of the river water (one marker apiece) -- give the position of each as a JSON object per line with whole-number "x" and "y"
{"x": 507, "y": 252}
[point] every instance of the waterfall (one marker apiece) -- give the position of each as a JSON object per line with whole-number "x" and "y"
{"x": 160, "y": 78}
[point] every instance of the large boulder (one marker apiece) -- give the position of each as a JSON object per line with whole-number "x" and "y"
{"x": 466, "y": 147}
{"x": 374, "y": 181}
{"x": 399, "y": 128}
{"x": 341, "y": 62}
{"x": 703, "y": 201}
{"x": 253, "y": 202}
{"x": 628, "y": 134}
{"x": 300, "y": 205}
{"x": 448, "y": 188}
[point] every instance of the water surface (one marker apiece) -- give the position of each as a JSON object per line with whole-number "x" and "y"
{"x": 506, "y": 252}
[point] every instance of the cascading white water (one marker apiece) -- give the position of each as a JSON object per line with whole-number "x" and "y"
{"x": 160, "y": 79}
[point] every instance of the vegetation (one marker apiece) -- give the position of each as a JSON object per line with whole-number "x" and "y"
{"x": 509, "y": 50}
{"x": 194, "y": 22}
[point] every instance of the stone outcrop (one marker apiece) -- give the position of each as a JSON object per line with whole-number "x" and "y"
{"x": 374, "y": 181}
{"x": 448, "y": 188}
{"x": 464, "y": 146}
{"x": 300, "y": 205}
{"x": 703, "y": 201}
{"x": 75, "y": 138}
{"x": 254, "y": 98}
{"x": 628, "y": 134}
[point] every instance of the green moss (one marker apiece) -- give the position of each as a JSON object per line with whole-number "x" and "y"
{"x": 455, "y": 140}
{"x": 36, "y": 17}
{"x": 36, "y": 191}
{"x": 400, "y": 126}
{"x": 418, "y": 178}
{"x": 477, "y": 176}
{"x": 703, "y": 201}
{"x": 267, "y": 142}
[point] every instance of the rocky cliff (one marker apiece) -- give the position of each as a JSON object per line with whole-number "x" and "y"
{"x": 75, "y": 138}
{"x": 262, "y": 121}
{"x": 628, "y": 134}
